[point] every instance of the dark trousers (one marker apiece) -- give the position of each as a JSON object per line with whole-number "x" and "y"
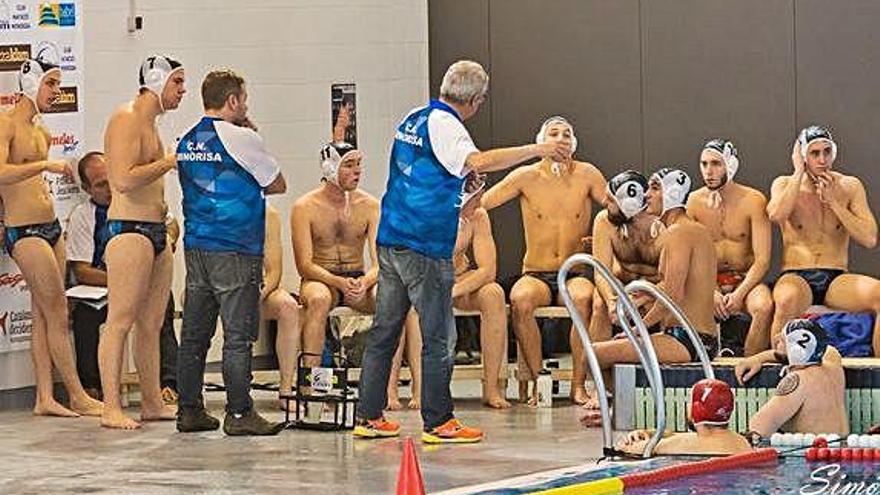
{"x": 86, "y": 330}
{"x": 228, "y": 285}
{"x": 408, "y": 278}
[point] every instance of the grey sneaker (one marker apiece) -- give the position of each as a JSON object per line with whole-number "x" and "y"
{"x": 249, "y": 423}
{"x": 192, "y": 420}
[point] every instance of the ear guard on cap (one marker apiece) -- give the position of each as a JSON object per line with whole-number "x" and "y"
{"x": 541, "y": 137}
{"x": 805, "y": 342}
{"x": 628, "y": 189}
{"x": 711, "y": 402}
{"x": 30, "y": 76}
{"x": 155, "y": 72}
{"x": 676, "y": 187}
{"x": 727, "y": 151}
{"x": 813, "y": 133}
{"x": 332, "y": 155}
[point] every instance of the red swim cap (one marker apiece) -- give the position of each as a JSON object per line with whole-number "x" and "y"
{"x": 711, "y": 402}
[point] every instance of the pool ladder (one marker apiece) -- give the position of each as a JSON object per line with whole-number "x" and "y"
{"x": 626, "y": 312}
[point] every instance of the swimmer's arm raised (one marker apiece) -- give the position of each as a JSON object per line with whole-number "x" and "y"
{"x": 484, "y": 257}
{"x": 502, "y": 192}
{"x": 780, "y": 408}
{"x": 783, "y": 197}
{"x": 301, "y": 237}
{"x": 122, "y": 145}
{"x": 272, "y": 261}
{"x": 856, "y": 218}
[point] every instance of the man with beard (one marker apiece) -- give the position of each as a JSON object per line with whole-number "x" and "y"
{"x": 622, "y": 241}
{"x": 686, "y": 268}
{"x": 735, "y": 215}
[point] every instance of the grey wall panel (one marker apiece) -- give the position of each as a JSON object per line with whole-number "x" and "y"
{"x": 577, "y": 58}
{"x": 838, "y": 70}
{"x": 458, "y": 29}
{"x": 715, "y": 68}
{"x": 719, "y": 68}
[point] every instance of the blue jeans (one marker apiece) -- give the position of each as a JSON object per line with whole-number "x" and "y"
{"x": 409, "y": 278}
{"x": 228, "y": 285}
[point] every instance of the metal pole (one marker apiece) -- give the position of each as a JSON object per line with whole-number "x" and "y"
{"x": 643, "y": 347}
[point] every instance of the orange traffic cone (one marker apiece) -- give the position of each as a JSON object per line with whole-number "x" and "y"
{"x": 409, "y": 479}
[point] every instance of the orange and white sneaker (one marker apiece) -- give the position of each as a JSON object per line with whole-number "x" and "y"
{"x": 452, "y": 431}
{"x": 377, "y": 428}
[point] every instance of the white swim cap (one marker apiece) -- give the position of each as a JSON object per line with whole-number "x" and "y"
{"x": 628, "y": 189}
{"x": 541, "y": 137}
{"x": 814, "y": 133}
{"x": 155, "y": 73}
{"x": 805, "y": 342}
{"x": 727, "y": 152}
{"x": 676, "y": 186}
{"x": 332, "y": 155}
{"x": 30, "y": 76}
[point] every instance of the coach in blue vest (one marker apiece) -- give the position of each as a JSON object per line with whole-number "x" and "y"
{"x": 225, "y": 173}
{"x": 432, "y": 159}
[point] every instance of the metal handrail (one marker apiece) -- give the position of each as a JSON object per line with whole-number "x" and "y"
{"x": 645, "y": 286}
{"x": 643, "y": 348}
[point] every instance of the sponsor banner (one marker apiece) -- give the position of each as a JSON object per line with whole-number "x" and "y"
{"x": 50, "y": 32}
{"x": 13, "y": 55}
{"x": 15, "y": 16}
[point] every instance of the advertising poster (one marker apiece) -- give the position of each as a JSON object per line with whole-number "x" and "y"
{"x": 342, "y": 106}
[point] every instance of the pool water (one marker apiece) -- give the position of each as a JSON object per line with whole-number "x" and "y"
{"x": 790, "y": 475}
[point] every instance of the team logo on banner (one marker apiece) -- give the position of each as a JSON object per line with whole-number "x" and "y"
{"x": 57, "y": 15}
{"x": 14, "y": 16}
{"x": 12, "y": 56}
{"x": 60, "y": 55}
{"x": 66, "y": 102}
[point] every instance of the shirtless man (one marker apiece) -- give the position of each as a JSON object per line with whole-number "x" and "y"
{"x": 139, "y": 265}
{"x": 555, "y": 200}
{"x": 687, "y": 276}
{"x": 819, "y": 210}
{"x": 709, "y": 414}
{"x": 623, "y": 242}
{"x": 330, "y": 226}
{"x": 277, "y": 304}
{"x": 810, "y": 398}
{"x": 33, "y": 235}
{"x": 736, "y": 217}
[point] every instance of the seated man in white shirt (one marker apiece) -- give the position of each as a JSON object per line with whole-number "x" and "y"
{"x": 86, "y": 241}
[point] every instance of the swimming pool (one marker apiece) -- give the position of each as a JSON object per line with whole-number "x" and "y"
{"x": 787, "y": 475}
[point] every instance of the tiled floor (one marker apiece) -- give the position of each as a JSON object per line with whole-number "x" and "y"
{"x": 49, "y": 456}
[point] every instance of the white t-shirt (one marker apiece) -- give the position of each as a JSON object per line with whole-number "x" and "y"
{"x": 246, "y": 147}
{"x": 451, "y": 142}
{"x": 81, "y": 232}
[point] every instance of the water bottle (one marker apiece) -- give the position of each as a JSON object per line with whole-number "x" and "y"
{"x": 545, "y": 388}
